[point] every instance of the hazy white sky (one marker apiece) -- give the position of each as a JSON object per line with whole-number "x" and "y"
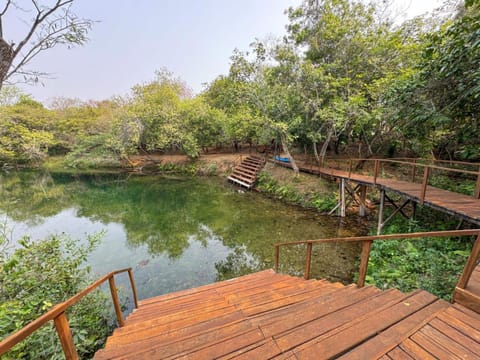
{"x": 192, "y": 38}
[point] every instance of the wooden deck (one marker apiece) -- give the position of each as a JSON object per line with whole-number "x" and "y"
{"x": 463, "y": 206}
{"x": 245, "y": 174}
{"x": 272, "y": 316}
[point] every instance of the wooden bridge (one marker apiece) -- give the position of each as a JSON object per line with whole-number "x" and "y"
{"x": 353, "y": 186}
{"x": 245, "y": 173}
{"x": 268, "y": 315}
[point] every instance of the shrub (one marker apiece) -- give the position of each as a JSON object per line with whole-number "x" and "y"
{"x": 38, "y": 275}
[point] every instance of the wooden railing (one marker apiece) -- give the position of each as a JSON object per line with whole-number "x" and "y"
{"x": 367, "y": 245}
{"x": 57, "y": 314}
{"x": 414, "y": 164}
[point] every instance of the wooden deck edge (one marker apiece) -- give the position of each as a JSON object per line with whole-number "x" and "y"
{"x": 467, "y": 299}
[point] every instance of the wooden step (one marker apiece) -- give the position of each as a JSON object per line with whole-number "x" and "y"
{"x": 273, "y": 316}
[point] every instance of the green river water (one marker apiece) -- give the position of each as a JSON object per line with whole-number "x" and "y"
{"x": 175, "y": 233}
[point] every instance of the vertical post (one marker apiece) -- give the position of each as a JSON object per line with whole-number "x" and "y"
{"x": 476, "y": 194}
{"x": 362, "y": 271}
{"x": 363, "y": 200}
{"x": 342, "y": 198}
{"x": 134, "y": 289}
{"x": 470, "y": 265}
{"x": 414, "y": 169}
{"x": 308, "y": 261}
{"x": 65, "y": 335}
{"x": 350, "y": 168}
{"x": 375, "y": 171}
{"x": 116, "y": 303}
{"x": 380, "y": 212}
{"x": 277, "y": 257}
{"x": 426, "y": 174}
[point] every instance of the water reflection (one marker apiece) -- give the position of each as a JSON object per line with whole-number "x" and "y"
{"x": 176, "y": 233}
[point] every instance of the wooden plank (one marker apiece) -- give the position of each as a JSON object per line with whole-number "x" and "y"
{"x": 437, "y": 351}
{"x": 467, "y": 311}
{"x": 161, "y": 351}
{"x": 456, "y": 336}
{"x": 462, "y": 322}
{"x": 178, "y": 324}
{"x": 394, "y": 335}
{"x": 467, "y": 299}
{"x": 269, "y": 273}
{"x": 398, "y": 354}
{"x": 416, "y": 351}
{"x": 312, "y": 311}
{"x": 266, "y": 350}
{"x": 285, "y": 301}
{"x": 158, "y": 335}
{"x": 445, "y": 343}
{"x": 213, "y": 351}
{"x": 356, "y": 334}
{"x": 336, "y": 319}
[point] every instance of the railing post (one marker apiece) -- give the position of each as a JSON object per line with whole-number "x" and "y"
{"x": 277, "y": 257}
{"x": 414, "y": 169}
{"x": 134, "y": 289}
{"x": 476, "y": 194}
{"x": 375, "y": 171}
{"x": 308, "y": 261}
{"x": 65, "y": 335}
{"x": 470, "y": 265}
{"x": 426, "y": 174}
{"x": 362, "y": 271}
{"x": 116, "y": 303}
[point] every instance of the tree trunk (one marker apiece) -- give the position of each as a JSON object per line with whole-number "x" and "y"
{"x": 283, "y": 138}
{"x": 315, "y": 151}
{"x": 323, "y": 151}
{"x": 6, "y": 58}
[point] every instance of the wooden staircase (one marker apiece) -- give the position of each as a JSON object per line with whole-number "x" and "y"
{"x": 245, "y": 174}
{"x": 267, "y": 315}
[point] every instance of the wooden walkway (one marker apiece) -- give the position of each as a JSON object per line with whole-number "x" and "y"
{"x": 245, "y": 174}
{"x": 272, "y": 316}
{"x": 459, "y": 205}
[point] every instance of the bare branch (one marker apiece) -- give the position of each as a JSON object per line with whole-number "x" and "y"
{"x": 5, "y": 8}
{"x": 40, "y": 18}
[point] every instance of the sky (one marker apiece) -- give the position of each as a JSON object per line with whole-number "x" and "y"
{"x": 194, "y": 39}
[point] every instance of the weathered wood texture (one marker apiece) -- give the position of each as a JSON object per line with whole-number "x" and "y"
{"x": 272, "y": 316}
{"x": 245, "y": 174}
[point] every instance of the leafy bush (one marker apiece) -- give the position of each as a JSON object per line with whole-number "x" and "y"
{"x": 432, "y": 264}
{"x": 37, "y": 276}
{"x": 316, "y": 200}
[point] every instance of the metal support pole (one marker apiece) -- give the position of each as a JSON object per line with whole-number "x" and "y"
{"x": 363, "y": 197}
{"x": 380, "y": 212}
{"x": 342, "y": 198}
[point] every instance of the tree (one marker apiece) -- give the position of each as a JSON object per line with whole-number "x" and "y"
{"x": 51, "y": 25}
{"x": 25, "y": 131}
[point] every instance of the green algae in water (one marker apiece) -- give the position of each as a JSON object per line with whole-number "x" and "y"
{"x": 175, "y": 233}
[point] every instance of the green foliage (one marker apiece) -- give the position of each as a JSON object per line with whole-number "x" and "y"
{"x": 38, "y": 275}
{"x": 317, "y": 200}
{"x": 25, "y": 131}
{"x": 432, "y": 264}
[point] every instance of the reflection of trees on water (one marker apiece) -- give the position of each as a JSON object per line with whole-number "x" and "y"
{"x": 164, "y": 214}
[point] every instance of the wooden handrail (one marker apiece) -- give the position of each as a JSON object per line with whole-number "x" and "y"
{"x": 367, "y": 242}
{"x": 414, "y": 164}
{"x": 57, "y": 314}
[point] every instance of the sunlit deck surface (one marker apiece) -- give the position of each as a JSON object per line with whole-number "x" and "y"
{"x": 273, "y": 316}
